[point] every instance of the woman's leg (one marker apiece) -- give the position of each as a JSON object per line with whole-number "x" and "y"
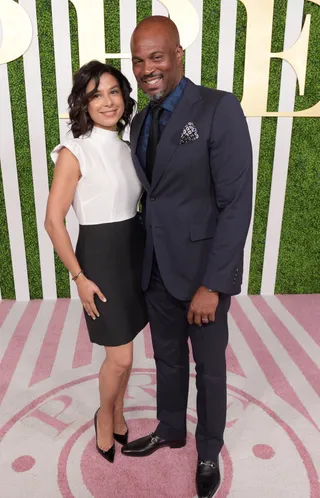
{"x": 119, "y": 423}
{"x": 113, "y": 378}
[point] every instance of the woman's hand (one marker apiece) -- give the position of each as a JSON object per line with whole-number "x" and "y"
{"x": 86, "y": 290}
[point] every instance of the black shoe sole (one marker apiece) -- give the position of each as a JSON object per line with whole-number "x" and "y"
{"x": 174, "y": 445}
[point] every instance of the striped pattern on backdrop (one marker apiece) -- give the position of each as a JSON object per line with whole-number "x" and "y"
{"x": 282, "y": 251}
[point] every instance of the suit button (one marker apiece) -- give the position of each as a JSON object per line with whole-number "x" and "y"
{"x": 152, "y": 198}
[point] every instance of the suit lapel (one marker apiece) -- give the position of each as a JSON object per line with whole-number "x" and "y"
{"x": 134, "y": 137}
{"x": 170, "y": 138}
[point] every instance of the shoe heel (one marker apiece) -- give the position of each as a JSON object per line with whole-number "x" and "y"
{"x": 178, "y": 444}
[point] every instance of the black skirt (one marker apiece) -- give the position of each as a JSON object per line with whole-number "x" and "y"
{"x": 111, "y": 255}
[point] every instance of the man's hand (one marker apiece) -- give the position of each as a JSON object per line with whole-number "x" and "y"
{"x": 203, "y": 306}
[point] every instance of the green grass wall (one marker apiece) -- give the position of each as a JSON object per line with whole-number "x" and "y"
{"x": 299, "y": 256}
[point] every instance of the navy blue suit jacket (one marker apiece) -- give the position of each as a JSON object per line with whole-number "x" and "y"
{"x": 198, "y": 206}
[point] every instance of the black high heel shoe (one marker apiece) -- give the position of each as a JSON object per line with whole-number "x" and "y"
{"x": 121, "y": 438}
{"x": 109, "y": 454}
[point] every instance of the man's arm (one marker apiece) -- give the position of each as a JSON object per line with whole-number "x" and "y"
{"x": 134, "y": 120}
{"x": 231, "y": 169}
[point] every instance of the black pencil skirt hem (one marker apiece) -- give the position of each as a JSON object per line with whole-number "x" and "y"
{"x": 111, "y": 255}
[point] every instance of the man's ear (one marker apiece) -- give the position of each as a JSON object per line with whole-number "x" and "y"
{"x": 179, "y": 53}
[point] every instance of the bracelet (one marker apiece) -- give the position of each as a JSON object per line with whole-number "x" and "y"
{"x": 75, "y": 278}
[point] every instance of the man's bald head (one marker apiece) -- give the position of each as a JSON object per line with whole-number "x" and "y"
{"x": 157, "y": 56}
{"x": 159, "y": 24}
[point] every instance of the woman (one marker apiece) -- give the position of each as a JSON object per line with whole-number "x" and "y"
{"x": 95, "y": 174}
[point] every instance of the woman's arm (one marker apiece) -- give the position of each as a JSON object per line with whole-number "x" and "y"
{"x": 65, "y": 179}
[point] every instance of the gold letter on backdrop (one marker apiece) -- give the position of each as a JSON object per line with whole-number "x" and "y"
{"x": 17, "y": 36}
{"x": 92, "y": 32}
{"x": 257, "y": 61}
{"x": 313, "y": 111}
{"x": 16, "y": 31}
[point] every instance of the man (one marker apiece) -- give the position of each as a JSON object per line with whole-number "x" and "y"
{"x": 192, "y": 152}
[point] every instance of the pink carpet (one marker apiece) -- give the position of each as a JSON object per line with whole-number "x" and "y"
{"x": 48, "y": 394}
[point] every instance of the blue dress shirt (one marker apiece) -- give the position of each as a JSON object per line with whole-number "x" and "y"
{"x": 168, "y": 105}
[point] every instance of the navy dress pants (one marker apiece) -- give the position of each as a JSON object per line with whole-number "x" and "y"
{"x": 170, "y": 331}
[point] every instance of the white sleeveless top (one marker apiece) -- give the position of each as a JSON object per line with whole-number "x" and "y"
{"x": 109, "y": 189}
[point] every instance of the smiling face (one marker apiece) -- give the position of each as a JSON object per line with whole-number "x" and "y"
{"x": 106, "y": 106}
{"x": 156, "y": 58}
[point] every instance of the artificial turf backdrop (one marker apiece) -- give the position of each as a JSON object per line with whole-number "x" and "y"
{"x": 298, "y": 268}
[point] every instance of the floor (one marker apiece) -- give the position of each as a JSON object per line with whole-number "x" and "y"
{"x": 48, "y": 394}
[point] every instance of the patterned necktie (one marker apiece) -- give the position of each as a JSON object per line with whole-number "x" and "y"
{"x": 154, "y": 137}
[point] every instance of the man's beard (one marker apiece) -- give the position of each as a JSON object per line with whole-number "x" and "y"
{"x": 155, "y": 96}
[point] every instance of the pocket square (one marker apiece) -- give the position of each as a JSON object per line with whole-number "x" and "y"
{"x": 189, "y": 134}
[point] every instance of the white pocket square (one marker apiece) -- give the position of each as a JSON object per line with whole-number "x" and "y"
{"x": 189, "y": 134}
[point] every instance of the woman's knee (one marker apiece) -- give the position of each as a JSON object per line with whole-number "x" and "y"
{"x": 121, "y": 358}
{"x": 124, "y": 363}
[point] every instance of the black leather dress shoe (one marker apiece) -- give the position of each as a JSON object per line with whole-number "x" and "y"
{"x": 149, "y": 444}
{"x": 207, "y": 478}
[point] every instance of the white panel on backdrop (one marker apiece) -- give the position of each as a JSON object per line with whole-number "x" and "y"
{"x": 32, "y": 75}
{"x": 128, "y": 21}
{"x": 91, "y": 30}
{"x": 282, "y": 152}
{"x": 227, "y": 42}
{"x": 62, "y": 55}
{"x": 254, "y": 125}
{"x": 11, "y": 190}
{"x": 194, "y": 51}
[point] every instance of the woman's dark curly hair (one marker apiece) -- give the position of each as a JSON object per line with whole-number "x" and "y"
{"x": 80, "y": 120}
